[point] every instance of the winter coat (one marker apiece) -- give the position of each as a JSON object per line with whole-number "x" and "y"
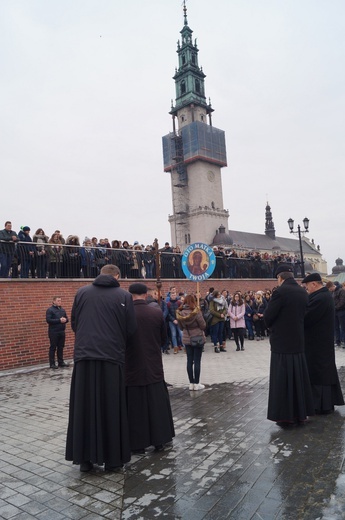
{"x": 53, "y": 315}
{"x": 319, "y": 338}
{"x": 217, "y": 307}
{"x": 284, "y": 317}
{"x": 144, "y": 364}
{"x": 24, "y": 250}
{"x": 6, "y": 241}
{"x": 103, "y": 320}
{"x": 237, "y": 311}
{"x": 339, "y": 299}
{"x": 191, "y": 322}
{"x": 172, "y": 306}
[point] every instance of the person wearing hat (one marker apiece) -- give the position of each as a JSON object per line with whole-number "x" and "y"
{"x": 103, "y": 320}
{"x": 290, "y": 398}
{"x": 148, "y": 403}
{"x": 319, "y": 347}
{"x": 26, "y": 253}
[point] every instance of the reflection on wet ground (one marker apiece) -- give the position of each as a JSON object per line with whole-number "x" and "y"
{"x": 227, "y": 460}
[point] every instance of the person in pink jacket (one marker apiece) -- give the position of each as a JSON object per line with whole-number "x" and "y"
{"x": 236, "y": 311}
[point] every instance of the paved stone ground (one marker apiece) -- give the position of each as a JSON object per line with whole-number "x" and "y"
{"x": 227, "y": 460}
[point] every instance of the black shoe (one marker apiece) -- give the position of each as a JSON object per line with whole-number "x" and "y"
{"x": 242, "y": 348}
{"x": 138, "y": 452}
{"x": 53, "y": 366}
{"x": 159, "y": 447}
{"x": 238, "y": 348}
{"x": 216, "y": 349}
{"x": 86, "y": 466}
{"x": 63, "y": 364}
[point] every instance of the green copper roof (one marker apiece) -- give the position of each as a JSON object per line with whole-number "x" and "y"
{"x": 189, "y": 77}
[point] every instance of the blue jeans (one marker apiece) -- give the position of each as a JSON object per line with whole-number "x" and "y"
{"x": 249, "y": 326}
{"x": 24, "y": 267}
{"x": 5, "y": 263}
{"x": 176, "y": 334}
{"x": 149, "y": 270}
{"x": 193, "y": 358}
{"x": 216, "y": 332}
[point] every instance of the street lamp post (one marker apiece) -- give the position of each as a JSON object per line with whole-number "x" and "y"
{"x": 298, "y": 232}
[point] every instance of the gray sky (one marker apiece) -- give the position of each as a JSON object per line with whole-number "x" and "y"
{"x": 86, "y": 87}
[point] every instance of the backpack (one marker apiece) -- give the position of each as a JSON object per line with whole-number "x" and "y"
{"x": 207, "y": 317}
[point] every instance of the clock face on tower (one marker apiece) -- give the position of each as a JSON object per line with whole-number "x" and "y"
{"x": 210, "y": 176}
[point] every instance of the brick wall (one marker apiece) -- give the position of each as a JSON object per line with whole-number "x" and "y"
{"x": 23, "y": 303}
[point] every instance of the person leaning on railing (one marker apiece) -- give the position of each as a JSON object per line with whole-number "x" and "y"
{"x": 41, "y": 240}
{"x": 55, "y": 255}
{"x": 8, "y": 238}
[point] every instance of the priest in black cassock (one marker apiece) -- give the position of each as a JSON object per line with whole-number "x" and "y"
{"x": 319, "y": 346}
{"x": 290, "y": 398}
{"x": 148, "y": 403}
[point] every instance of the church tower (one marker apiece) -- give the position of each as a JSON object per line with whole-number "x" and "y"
{"x": 269, "y": 224}
{"x": 194, "y": 153}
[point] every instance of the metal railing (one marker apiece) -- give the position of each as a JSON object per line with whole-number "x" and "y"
{"x": 32, "y": 260}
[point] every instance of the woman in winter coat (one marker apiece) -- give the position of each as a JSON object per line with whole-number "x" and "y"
{"x": 248, "y": 317}
{"x": 41, "y": 240}
{"x": 192, "y": 323}
{"x": 218, "y": 308}
{"x": 237, "y": 311}
{"x": 259, "y": 307}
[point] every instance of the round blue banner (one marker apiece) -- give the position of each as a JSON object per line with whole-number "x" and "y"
{"x": 198, "y": 262}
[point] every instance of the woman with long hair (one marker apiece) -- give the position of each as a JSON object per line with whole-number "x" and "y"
{"x": 259, "y": 307}
{"x": 192, "y": 324}
{"x": 248, "y": 317}
{"x": 218, "y": 308}
{"x": 237, "y": 311}
{"x": 55, "y": 255}
{"x": 41, "y": 240}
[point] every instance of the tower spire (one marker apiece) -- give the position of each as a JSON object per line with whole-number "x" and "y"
{"x": 269, "y": 225}
{"x": 185, "y": 12}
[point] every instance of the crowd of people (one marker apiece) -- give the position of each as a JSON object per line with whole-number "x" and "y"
{"x": 40, "y": 256}
{"x": 119, "y": 403}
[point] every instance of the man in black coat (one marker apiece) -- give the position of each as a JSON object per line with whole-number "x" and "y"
{"x": 103, "y": 320}
{"x": 290, "y": 397}
{"x": 149, "y": 412}
{"x": 56, "y": 318}
{"x": 319, "y": 346}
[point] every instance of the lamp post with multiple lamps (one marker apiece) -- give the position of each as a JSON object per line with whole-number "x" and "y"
{"x": 298, "y": 232}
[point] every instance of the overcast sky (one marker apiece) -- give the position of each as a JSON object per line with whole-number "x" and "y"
{"x": 85, "y": 91}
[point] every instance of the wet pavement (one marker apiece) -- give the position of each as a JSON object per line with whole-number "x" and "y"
{"x": 227, "y": 460}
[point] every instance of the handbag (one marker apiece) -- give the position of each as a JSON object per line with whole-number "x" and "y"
{"x": 196, "y": 341}
{"x": 255, "y": 317}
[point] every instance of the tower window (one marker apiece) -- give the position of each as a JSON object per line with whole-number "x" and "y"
{"x": 202, "y": 117}
{"x": 183, "y": 59}
{"x": 193, "y": 59}
{"x": 197, "y": 85}
{"x": 183, "y": 87}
